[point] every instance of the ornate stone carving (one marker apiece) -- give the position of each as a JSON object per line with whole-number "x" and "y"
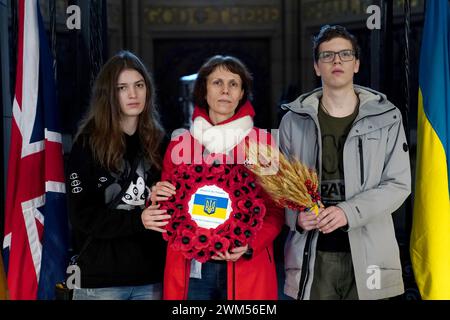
{"x": 212, "y": 15}
{"x": 339, "y": 10}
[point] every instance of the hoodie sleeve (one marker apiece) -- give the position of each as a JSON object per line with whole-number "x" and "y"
{"x": 394, "y": 186}
{"x": 87, "y": 211}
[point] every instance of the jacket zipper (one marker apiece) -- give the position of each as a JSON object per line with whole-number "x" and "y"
{"x": 305, "y": 266}
{"x": 360, "y": 147}
{"x": 307, "y": 251}
{"x": 361, "y": 160}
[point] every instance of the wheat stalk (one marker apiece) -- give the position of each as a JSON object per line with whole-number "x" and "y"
{"x": 288, "y": 186}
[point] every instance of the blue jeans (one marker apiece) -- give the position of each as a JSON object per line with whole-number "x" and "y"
{"x": 212, "y": 285}
{"x": 146, "y": 292}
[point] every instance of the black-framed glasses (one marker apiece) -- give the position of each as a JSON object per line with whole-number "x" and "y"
{"x": 344, "y": 55}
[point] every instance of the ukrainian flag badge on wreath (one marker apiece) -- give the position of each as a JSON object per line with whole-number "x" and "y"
{"x": 210, "y": 206}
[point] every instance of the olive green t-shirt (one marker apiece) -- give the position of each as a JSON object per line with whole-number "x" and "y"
{"x": 332, "y": 190}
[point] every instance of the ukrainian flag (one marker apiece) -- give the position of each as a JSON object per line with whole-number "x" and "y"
{"x": 210, "y": 206}
{"x": 430, "y": 238}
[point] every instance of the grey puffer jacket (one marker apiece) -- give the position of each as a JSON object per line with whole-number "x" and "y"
{"x": 377, "y": 181}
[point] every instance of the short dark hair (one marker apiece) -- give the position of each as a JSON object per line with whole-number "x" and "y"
{"x": 229, "y": 63}
{"x": 328, "y": 32}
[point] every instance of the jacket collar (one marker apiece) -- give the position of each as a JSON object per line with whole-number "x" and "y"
{"x": 371, "y": 102}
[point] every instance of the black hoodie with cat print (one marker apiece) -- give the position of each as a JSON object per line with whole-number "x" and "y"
{"x": 121, "y": 252}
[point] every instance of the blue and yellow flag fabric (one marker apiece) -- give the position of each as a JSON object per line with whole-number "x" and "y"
{"x": 430, "y": 237}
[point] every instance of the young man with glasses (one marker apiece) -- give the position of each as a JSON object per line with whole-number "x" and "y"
{"x": 354, "y": 137}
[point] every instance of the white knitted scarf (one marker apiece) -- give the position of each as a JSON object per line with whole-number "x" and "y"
{"x": 223, "y": 137}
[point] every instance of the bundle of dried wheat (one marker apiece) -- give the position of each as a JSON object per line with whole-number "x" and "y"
{"x": 289, "y": 182}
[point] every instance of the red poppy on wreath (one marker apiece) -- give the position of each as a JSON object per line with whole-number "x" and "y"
{"x": 219, "y": 243}
{"x": 202, "y": 238}
{"x": 217, "y": 208}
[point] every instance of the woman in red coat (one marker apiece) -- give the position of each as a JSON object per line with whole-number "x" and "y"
{"x": 222, "y": 120}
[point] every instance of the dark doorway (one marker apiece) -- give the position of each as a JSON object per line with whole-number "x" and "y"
{"x": 175, "y": 58}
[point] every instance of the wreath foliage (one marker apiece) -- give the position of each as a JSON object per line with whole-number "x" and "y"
{"x": 244, "y": 221}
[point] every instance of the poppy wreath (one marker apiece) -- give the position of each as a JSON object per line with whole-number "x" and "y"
{"x": 246, "y": 217}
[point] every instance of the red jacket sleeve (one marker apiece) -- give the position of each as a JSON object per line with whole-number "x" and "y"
{"x": 272, "y": 224}
{"x": 274, "y": 219}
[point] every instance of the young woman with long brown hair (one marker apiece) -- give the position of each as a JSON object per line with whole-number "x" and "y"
{"x": 115, "y": 159}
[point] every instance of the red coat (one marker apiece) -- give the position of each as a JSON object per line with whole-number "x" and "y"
{"x": 246, "y": 279}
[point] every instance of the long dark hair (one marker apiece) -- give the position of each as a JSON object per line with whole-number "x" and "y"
{"x": 102, "y": 122}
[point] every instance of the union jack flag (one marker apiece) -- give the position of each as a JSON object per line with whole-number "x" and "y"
{"x": 36, "y": 227}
